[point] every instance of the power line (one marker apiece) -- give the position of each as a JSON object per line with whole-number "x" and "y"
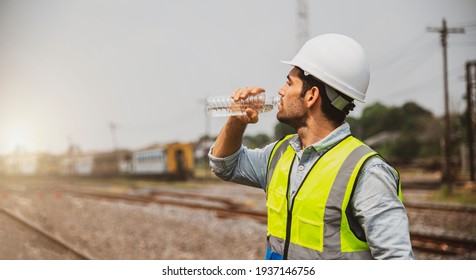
{"x": 391, "y": 56}
{"x": 410, "y": 62}
{"x": 422, "y": 83}
{"x": 405, "y": 59}
{"x": 466, "y": 23}
{"x": 468, "y": 42}
{"x": 425, "y": 87}
{"x": 403, "y": 69}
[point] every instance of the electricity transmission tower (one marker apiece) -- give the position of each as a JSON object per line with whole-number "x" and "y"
{"x": 302, "y": 22}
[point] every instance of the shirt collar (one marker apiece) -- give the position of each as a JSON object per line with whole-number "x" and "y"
{"x": 327, "y": 142}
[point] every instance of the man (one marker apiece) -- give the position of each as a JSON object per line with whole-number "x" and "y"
{"x": 329, "y": 196}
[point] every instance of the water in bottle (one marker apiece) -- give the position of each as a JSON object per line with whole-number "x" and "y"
{"x": 224, "y": 106}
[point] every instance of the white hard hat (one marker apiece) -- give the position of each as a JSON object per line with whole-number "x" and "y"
{"x": 338, "y": 61}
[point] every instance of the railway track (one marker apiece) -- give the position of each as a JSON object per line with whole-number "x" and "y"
{"x": 37, "y": 230}
{"x": 442, "y": 245}
{"x": 229, "y": 208}
{"x": 441, "y": 207}
{"x": 226, "y": 208}
{"x": 221, "y": 206}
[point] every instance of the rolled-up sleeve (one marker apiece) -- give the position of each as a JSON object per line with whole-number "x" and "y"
{"x": 223, "y": 167}
{"x": 381, "y": 213}
{"x": 245, "y": 166}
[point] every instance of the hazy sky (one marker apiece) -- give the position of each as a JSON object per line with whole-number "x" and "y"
{"x": 70, "y": 68}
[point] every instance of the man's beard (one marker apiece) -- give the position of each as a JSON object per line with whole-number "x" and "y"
{"x": 295, "y": 122}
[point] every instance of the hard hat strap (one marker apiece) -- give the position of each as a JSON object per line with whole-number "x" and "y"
{"x": 336, "y": 99}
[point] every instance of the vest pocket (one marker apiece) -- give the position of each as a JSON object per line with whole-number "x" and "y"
{"x": 309, "y": 233}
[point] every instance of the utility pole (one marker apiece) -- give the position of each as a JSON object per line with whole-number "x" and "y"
{"x": 470, "y": 94}
{"x": 444, "y": 31}
{"x": 113, "y": 128}
{"x": 70, "y": 156}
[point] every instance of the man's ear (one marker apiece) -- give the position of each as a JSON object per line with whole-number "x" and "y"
{"x": 312, "y": 96}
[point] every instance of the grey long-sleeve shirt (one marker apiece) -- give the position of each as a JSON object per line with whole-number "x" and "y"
{"x": 375, "y": 202}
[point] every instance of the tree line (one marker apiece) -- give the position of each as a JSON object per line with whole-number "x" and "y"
{"x": 406, "y": 134}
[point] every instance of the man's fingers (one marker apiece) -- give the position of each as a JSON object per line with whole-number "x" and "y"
{"x": 253, "y": 116}
{"x": 244, "y": 92}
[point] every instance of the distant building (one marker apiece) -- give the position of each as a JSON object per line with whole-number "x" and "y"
{"x": 21, "y": 164}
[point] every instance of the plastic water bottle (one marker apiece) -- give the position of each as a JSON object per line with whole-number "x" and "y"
{"x": 225, "y": 106}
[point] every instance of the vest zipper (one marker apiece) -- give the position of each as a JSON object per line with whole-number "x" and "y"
{"x": 289, "y": 218}
{"x": 288, "y": 234}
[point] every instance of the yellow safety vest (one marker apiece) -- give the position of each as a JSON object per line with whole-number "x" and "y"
{"x": 316, "y": 224}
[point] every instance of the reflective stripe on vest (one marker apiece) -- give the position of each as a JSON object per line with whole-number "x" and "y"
{"x": 315, "y": 226}
{"x": 276, "y": 154}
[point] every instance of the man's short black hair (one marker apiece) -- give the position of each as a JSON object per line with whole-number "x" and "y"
{"x": 333, "y": 114}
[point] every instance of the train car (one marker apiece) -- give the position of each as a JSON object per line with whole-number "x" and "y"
{"x": 150, "y": 161}
{"x": 172, "y": 161}
{"x": 112, "y": 163}
{"x": 180, "y": 160}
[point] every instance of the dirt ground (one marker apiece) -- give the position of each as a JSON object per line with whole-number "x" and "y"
{"x": 131, "y": 231}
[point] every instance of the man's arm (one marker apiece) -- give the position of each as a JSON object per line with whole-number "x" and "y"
{"x": 381, "y": 213}
{"x": 231, "y": 136}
